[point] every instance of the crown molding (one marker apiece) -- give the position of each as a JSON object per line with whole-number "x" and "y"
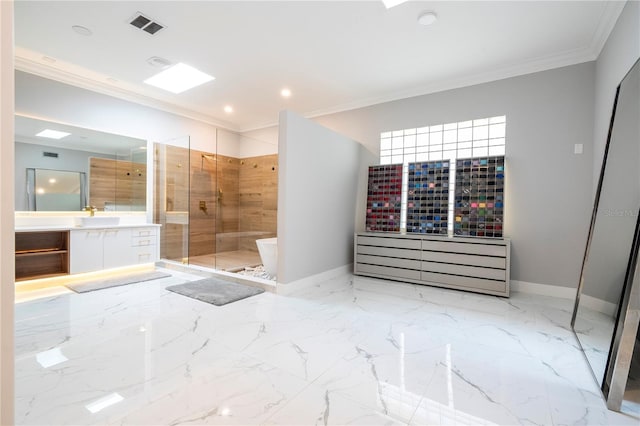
{"x": 24, "y": 63}
{"x": 607, "y": 22}
{"x": 546, "y": 63}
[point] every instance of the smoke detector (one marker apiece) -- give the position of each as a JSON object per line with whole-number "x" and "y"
{"x": 145, "y": 23}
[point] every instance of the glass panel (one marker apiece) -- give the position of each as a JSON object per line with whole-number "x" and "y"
{"x": 465, "y": 134}
{"x": 171, "y": 198}
{"x": 481, "y": 132}
{"x": 410, "y": 141}
{"x": 496, "y": 150}
{"x": 423, "y": 139}
{"x": 435, "y": 138}
{"x": 450, "y": 136}
{"x": 385, "y": 144}
{"x": 397, "y": 142}
{"x": 480, "y": 152}
{"x": 497, "y": 130}
{"x": 246, "y": 201}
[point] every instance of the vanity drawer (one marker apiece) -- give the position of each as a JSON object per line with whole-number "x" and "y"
{"x": 144, "y": 232}
{"x": 144, "y": 241}
{"x": 143, "y": 254}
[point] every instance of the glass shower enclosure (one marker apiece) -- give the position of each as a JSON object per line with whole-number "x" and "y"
{"x": 215, "y": 201}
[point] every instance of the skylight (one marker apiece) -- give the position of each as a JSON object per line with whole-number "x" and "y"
{"x": 52, "y": 134}
{"x": 391, "y": 3}
{"x": 179, "y": 78}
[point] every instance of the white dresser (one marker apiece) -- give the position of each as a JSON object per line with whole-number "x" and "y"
{"x": 473, "y": 264}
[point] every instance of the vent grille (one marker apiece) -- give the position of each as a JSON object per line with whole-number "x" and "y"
{"x": 50, "y": 154}
{"x": 145, "y": 23}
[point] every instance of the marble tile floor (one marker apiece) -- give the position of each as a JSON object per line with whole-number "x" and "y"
{"x": 228, "y": 261}
{"x": 349, "y": 350}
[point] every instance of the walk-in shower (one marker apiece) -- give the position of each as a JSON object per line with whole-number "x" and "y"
{"x": 215, "y": 200}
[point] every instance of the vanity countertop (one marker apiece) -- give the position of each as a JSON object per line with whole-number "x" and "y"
{"x": 44, "y": 228}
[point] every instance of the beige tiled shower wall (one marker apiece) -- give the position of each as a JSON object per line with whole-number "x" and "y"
{"x": 258, "y": 199}
{"x": 232, "y": 202}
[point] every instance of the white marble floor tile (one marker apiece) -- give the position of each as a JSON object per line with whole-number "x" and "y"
{"x": 349, "y": 350}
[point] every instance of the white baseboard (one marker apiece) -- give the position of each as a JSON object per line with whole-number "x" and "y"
{"x": 313, "y": 279}
{"x": 590, "y": 302}
{"x": 598, "y": 305}
{"x": 542, "y": 289}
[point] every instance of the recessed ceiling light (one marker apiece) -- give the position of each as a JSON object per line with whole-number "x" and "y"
{"x": 179, "y": 78}
{"x": 82, "y": 30}
{"x": 228, "y": 109}
{"x": 285, "y": 93}
{"x": 427, "y": 18}
{"x": 52, "y": 134}
{"x": 391, "y": 3}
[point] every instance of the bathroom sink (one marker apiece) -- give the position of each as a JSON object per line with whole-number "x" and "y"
{"x": 98, "y": 221}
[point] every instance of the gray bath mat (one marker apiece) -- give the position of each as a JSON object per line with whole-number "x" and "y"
{"x": 85, "y": 286}
{"x": 215, "y": 291}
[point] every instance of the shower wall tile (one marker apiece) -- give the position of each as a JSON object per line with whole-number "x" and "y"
{"x": 207, "y": 228}
{"x": 247, "y": 201}
{"x": 258, "y": 199}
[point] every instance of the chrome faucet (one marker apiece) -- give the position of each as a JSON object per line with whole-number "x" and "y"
{"x": 91, "y": 209}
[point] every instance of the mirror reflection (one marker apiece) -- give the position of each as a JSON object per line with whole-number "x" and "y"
{"x": 608, "y": 254}
{"x": 107, "y": 171}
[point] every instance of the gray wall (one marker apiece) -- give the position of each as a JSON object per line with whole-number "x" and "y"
{"x": 618, "y": 55}
{"x": 548, "y": 196}
{"x": 615, "y": 223}
{"x": 29, "y": 155}
{"x": 317, "y": 193}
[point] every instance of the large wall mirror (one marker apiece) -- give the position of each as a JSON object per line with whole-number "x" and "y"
{"x": 604, "y": 297}
{"x": 73, "y": 167}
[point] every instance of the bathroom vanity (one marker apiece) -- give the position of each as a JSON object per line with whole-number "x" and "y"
{"x": 45, "y": 251}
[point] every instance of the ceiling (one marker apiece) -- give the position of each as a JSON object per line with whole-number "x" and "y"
{"x": 332, "y": 55}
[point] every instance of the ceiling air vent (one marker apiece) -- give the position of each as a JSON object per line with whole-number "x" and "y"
{"x": 50, "y": 154}
{"x": 145, "y": 24}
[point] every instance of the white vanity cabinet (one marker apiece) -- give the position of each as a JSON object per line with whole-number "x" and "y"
{"x": 105, "y": 248}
